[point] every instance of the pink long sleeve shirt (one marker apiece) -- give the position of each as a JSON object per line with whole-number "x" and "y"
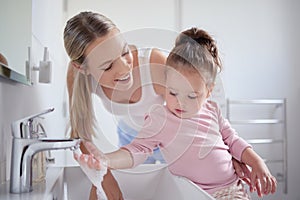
{"x": 198, "y": 148}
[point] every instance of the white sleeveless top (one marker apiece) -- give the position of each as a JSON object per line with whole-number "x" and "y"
{"x": 133, "y": 114}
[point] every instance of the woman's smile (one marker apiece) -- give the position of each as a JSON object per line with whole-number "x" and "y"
{"x": 124, "y": 78}
{"x": 124, "y": 82}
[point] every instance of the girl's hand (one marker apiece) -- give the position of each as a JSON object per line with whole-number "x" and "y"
{"x": 262, "y": 179}
{"x": 87, "y": 160}
{"x": 95, "y": 169}
{"x": 94, "y": 160}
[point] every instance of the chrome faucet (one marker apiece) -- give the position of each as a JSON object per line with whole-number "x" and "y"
{"x": 25, "y": 145}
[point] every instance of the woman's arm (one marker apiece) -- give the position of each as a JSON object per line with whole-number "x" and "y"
{"x": 244, "y": 173}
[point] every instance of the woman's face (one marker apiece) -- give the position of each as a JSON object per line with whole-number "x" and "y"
{"x": 186, "y": 92}
{"x": 110, "y": 62}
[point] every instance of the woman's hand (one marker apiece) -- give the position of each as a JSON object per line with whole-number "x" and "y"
{"x": 243, "y": 172}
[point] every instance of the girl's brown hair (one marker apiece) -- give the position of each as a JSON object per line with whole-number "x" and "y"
{"x": 196, "y": 48}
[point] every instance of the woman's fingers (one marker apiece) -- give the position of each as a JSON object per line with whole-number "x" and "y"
{"x": 246, "y": 171}
{"x": 238, "y": 168}
{"x": 243, "y": 172}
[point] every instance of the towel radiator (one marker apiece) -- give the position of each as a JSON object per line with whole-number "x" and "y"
{"x": 262, "y": 113}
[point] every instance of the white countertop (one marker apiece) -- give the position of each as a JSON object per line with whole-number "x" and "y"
{"x": 41, "y": 191}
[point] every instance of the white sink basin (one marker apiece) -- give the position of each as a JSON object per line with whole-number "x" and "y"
{"x": 145, "y": 182}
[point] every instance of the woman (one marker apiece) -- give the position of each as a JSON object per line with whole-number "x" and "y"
{"x": 120, "y": 74}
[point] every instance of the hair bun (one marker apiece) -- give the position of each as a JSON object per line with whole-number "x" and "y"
{"x": 196, "y": 36}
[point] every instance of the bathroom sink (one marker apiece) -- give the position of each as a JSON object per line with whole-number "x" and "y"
{"x": 144, "y": 182}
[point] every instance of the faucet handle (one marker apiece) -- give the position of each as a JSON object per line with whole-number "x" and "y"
{"x": 31, "y": 117}
{"x": 17, "y": 126}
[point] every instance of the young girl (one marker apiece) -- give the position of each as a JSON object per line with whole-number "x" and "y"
{"x": 194, "y": 138}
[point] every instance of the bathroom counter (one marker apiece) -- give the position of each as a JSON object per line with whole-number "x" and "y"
{"x": 40, "y": 191}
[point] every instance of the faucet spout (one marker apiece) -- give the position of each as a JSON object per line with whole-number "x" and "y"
{"x": 23, "y": 152}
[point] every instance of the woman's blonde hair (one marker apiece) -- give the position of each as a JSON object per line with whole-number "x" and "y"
{"x": 80, "y": 31}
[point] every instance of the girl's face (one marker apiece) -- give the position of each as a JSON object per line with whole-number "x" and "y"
{"x": 110, "y": 62}
{"x": 186, "y": 92}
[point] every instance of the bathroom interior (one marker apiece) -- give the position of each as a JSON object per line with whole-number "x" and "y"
{"x": 259, "y": 45}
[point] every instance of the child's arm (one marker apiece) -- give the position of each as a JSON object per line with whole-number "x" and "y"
{"x": 119, "y": 159}
{"x": 260, "y": 174}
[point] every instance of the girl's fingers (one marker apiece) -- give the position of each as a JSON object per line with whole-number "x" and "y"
{"x": 93, "y": 163}
{"x": 253, "y": 179}
{"x": 274, "y": 184}
{"x": 91, "y": 148}
{"x": 90, "y": 162}
{"x": 258, "y": 188}
{"x": 269, "y": 185}
{"x": 83, "y": 158}
{"x": 263, "y": 184}
{"x": 98, "y": 155}
{"x": 76, "y": 156}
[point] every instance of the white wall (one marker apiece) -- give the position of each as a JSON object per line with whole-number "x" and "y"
{"x": 130, "y": 15}
{"x": 259, "y": 43}
{"x": 17, "y": 100}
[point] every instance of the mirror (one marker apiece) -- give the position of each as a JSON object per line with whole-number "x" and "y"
{"x": 15, "y": 23}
